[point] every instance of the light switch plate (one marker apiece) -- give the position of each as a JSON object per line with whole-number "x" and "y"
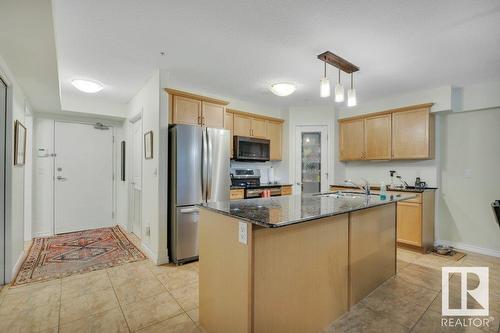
{"x": 242, "y": 233}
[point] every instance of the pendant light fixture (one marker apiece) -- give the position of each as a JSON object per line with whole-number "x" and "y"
{"x": 351, "y": 94}
{"x": 324, "y": 88}
{"x": 339, "y": 91}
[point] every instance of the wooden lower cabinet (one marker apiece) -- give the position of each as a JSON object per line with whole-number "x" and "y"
{"x": 237, "y": 194}
{"x": 286, "y": 190}
{"x": 409, "y": 219}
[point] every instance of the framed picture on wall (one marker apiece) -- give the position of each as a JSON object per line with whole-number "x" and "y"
{"x": 19, "y": 143}
{"x": 148, "y": 145}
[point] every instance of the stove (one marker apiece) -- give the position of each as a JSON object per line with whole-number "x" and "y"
{"x": 250, "y": 180}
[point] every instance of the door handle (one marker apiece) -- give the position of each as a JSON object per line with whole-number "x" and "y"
{"x": 60, "y": 178}
{"x": 189, "y": 210}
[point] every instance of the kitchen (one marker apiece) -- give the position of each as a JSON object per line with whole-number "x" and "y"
{"x": 250, "y": 166}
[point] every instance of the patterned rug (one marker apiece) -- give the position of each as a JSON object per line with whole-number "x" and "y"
{"x": 76, "y": 252}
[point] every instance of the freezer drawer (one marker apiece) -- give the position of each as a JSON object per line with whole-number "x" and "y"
{"x": 186, "y": 234}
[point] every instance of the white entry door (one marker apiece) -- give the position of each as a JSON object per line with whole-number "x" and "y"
{"x": 137, "y": 177}
{"x": 311, "y": 158}
{"x": 83, "y": 177}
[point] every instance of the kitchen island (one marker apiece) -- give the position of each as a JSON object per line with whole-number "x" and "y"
{"x": 293, "y": 263}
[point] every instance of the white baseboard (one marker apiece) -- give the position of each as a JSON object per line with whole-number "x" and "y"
{"x": 17, "y": 266}
{"x": 42, "y": 234}
{"x": 469, "y": 248}
{"x": 151, "y": 255}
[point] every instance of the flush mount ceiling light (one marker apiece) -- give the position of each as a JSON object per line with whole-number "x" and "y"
{"x": 283, "y": 88}
{"x": 87, "y": 86}
{"x": 342, "y": 65}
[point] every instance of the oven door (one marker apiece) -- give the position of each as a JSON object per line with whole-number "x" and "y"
{"x": 251, "y": 149}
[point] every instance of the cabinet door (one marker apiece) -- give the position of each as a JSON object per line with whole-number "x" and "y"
{"x": 378, "y": 137}
{"x": 411, "y": 137}
{"x": 409, "y": 222}
{"x": 212, "y": 115}
{"x": 228, "y": 124}
{"x": 242, "y": 125}
{"x": 274, "y": 134}
{"x": 259, "y": 128}
{"x": 351, "y": 139}
{"x": 186, "y": 111}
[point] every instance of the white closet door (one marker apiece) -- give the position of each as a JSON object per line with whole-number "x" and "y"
{"x": 83, "y": 177}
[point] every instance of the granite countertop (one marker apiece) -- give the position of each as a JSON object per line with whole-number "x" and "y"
{"x": 264, "y": 185}
{"x": 411, "y": 189}
{"x": 292, "y": 209}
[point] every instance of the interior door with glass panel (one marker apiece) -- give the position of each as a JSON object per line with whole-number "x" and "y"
{"x": 312, "y": 159}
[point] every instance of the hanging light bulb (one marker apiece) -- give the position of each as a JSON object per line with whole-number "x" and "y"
{"x": 324, "y": 88}
{"x": 351, "y": 94}
{"x": 339, "y": 91}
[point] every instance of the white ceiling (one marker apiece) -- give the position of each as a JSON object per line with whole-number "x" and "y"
{"x": 237, "y": 48}
{"x": 28, "y": 47}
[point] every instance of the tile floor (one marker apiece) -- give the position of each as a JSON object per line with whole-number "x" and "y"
{"x": 142, "y": 297}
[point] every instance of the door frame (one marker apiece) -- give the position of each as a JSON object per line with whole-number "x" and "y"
{"x": 3, "y": 190}
{"x": 131, "y": 200}
{"x": 113, "y": 168}
{"x": 323, "y": 129}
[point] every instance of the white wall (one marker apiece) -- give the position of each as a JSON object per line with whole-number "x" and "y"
{"x": 14, "y": 182}
{"x": 28, "y": 177}
{"x": 470, "y": 180}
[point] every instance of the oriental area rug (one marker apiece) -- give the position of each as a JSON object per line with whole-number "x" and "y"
{"x": 76, "y": 252}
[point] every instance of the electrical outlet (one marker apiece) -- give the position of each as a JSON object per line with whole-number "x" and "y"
{"x": 242, "y": 233}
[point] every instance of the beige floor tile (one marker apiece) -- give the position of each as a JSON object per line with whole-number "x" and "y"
{"x": 436, "y": 262}
{"x": 150, "y": 311}
{"x": 84, "y": 284}
{"x": 407, "y": 255}
{"x": 76, "y": 308}
{"x": 167, "y": 268}
{"x": 422, "y": 276}
{"x": 34, "y": 287}
{"x": 29, "y": 298}
{"x": 108, "y": 321}
{"x": 178, "y": 324}
{"x": 137, "y": 290}
{"x": 29, "y": 318}
{"x": 194, "y": 266}
{"x": 194, "y": 315}
{"x": 178, "y": 279}
{"x": 431, "y": 322}
{"x": 361, "y": 319}
{"x": 401, "y": 264}
{"x": 400, "y": 300}
{"x": 187, "y": 296}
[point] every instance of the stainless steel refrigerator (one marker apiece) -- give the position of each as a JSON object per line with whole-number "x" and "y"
{"x": 198, "y": 172}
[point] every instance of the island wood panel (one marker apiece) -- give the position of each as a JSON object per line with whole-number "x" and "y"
{"x": 372, "y": 249}
{"x": 352, "y": 140}
{"x": 428, "y": 212}
{"x": 225, "y": 280}
{"x": 378, "y": 137}
{"x": 274, "y": 134}
{"x": 300, "y": 276}
{"x": 186, "y": 110}
{"x": 213, "y": 115}
{"x": 411, "y": 134}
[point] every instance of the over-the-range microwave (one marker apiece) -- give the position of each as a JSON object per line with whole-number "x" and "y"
{"x": 251, "y": 149}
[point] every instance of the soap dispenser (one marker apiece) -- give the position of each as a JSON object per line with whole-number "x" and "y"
{"x": 383, "y": 191}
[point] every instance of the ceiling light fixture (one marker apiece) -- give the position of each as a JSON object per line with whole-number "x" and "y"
{"x": 283, "y": 88}
{"x": 324, "y": 86}
{"x": 351, "y": 94}
{"x": 342, "y": 65}
{"x": 87, "y": 86}
{"x": 339, "y": 91}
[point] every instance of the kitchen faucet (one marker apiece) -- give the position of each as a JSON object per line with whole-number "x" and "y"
{"x": 365, "y": 189}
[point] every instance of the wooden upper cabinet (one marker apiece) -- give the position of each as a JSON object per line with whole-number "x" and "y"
{"x": 212, "y": 115}
{"x": 351, "y": 139}
{"x": 378, "y": 137}
{"x": 259, "y": 128}
{"x": 228, "y": 124}
{"x": 242, "y": 125}
{"x": 413, "y": 134}
{"x": 274, "y": 134}
{"x": 186, "y": 111}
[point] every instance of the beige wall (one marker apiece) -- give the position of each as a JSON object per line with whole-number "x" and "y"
{"x": 470, "y": 179}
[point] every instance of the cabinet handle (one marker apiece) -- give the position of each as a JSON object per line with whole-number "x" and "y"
{"x": 199, "y": 120}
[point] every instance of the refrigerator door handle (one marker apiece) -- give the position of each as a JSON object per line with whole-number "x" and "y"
{"x": 204, "y": 162}
{"x": 209, "y": 166}
{"x": 189, "y": 210}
